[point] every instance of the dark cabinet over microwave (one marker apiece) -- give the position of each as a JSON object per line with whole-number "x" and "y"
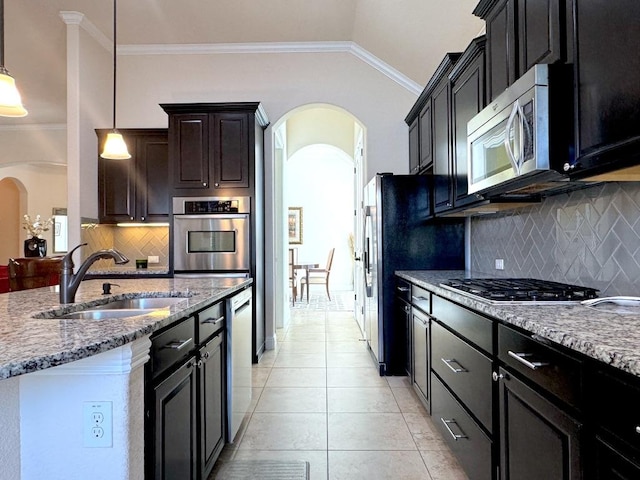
{"x": 135, "y": 190}
{"x": 212, "y": 147}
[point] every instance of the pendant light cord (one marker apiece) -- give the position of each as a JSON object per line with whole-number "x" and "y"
{"x": 2, "y": 36}
{"x": 114, "y": 62}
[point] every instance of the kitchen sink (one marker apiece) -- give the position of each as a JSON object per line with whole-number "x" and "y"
{"x": 128, "y": 307}
{"x": 107, "y": 314}
{"x": 140, "y": 303}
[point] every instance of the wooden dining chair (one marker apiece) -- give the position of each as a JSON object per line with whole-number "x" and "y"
{"x": 36, "y": 272}
{"x": 319, "y": 276}
{"x": 293, "y": 275}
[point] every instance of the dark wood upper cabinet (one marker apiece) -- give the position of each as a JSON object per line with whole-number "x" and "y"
{"x": 467, "y": 99}
{"x": 414, "y": 146}
{"x": 213, "y": 147}
{"x": 520, "y": 34}
{"x": 607, "y": 79}
{"x": 135, "y": 190}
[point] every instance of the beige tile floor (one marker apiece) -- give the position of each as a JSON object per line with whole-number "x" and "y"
{"x": 319, "y": 398}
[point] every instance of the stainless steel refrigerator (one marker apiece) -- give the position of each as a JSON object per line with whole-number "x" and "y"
{"x": 398, "y": 236}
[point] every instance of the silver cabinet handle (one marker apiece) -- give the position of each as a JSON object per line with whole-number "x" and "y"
{"x": 178, "y": 344}
{"x": 638, "y": 429}
{"x": 521, "y": 357}
{"x": 448, "y": 363}
{"x": 214, "y": 321}
{"x": 403, "y": 289}
{"x": 456, "y": 436}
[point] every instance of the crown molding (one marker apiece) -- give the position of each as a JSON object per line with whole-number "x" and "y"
{"x": 276, "y": 47}
{"x": 79, "y": 19}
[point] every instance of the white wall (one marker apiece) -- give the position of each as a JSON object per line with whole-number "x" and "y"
{"x": 282, "y": 82}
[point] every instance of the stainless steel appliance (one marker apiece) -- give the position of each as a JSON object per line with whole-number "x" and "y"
{"x": 398, "y": 237}
{"x": 522, "y": 141}
{"x": 239, "y": 359}
{"x": 516, "y": 291}
{"x": 211, "y": 235}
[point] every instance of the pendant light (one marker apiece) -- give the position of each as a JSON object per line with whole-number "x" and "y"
{"x": 115, "y": 147}
{"x": 10, "y": 101}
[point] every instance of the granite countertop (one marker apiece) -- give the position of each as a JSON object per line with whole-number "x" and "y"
{"x": 28, "y": 344}
{"x": 607, "y": 333}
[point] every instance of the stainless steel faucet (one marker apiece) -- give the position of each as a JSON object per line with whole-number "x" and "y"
{"x": 69, "y": 282}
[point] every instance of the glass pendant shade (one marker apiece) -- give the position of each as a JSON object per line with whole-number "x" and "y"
{"x": 10, "y": 100}
{"x": 115, "y": 147}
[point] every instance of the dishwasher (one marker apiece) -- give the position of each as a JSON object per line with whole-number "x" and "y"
{"x": 239, "y": 360}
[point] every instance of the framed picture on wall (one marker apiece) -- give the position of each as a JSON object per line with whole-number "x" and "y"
{"x": 294, "y": 224}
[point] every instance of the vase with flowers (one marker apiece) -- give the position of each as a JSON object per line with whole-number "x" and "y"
{"x": 35, "y": 245}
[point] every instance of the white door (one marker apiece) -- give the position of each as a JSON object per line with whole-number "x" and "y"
{"x": 358, "y": 228}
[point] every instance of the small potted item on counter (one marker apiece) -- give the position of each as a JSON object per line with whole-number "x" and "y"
{"x": 141, "y": 263}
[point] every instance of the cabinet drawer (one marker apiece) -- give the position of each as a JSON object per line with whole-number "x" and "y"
{"x": 421, "y": 298}
{"x": 463, "y": 436}
{"x": 172, "y": 346}
{"x": 403, "y": 289}
{"x": 468, "y": 324}
{"x": 616, "y": 405}
{"x": 465, "y": 370}
{"x": 554, "y": 371}
{"x": 210, "y": 321}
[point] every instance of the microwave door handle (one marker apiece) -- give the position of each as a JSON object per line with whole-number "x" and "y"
{"x": 522, "y": 125}
{"x": 507, "y": 141}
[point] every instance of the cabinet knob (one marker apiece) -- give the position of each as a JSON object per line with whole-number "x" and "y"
{"x": 204, "y": 184}
{"x": 216, "y": 184}
{"x": 638, "y": 429}
{"x": 131, "y": 218}
{"x": 496, "y": 376}
{"x": 142, "y": 218}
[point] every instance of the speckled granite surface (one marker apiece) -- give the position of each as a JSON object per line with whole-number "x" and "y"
{"x": 128, "y": 270}
{"x": 607, "y": 333}
{"x": 28, "y": 344}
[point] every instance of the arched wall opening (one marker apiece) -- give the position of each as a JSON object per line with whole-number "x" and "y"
{"x": 302, "y": 139}
{"x": 13, "y": 196}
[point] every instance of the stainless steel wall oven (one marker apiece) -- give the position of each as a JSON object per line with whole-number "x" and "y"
{"x": 211, "y": 235}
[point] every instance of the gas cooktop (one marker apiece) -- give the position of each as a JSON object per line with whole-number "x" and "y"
{"x": 519, "y": 290}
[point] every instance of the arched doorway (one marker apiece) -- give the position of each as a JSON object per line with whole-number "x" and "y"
{"x": 322, "y": 126}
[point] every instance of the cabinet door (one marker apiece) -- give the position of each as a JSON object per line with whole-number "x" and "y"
{"x": 152, "y": 171}
{"x": 403, "y": 317}
{"x": 467, "y": 99}
{"x": 116, "y": 189}
{"x": 608, "y": 82}
{"x": 501, "y": 48}
{"x": 211, "y": 395}
{"x": 421, "y": 355}
{"x": 189, "y": 144}
{"x": 538, "y": 440}
{"x": 175, "y": 425}
{"x": 541, "y": 33}
{"x": 414, "y": 147}
{"x": 231, "y": 150}
{"x": 612, "y": 464}
{"x": 426, "y": 137}
{"x": 441, "y": 127}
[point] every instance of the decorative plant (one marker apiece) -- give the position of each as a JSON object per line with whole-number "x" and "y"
{"x": 36, "y": 228}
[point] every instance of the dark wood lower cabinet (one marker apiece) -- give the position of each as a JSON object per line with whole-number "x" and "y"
{"x": 174, "y": 435}
{"x": 538, "y": 440}
{"x": 611, "y": 463}
{"x": 211, "y": 397}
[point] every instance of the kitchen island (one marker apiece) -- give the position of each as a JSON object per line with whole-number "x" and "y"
{"x": 50, "y": 367}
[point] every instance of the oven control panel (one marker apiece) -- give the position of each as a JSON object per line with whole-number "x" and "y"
{"x": 206, "y": 205}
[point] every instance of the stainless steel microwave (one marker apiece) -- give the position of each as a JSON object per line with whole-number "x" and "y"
{"x": 521, "y": 143}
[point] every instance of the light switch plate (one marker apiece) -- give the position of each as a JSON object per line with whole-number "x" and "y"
{"x": 153, "y": 259}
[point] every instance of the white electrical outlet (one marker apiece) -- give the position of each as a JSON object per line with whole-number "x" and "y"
{"x": 97, "y": 427}
{"x": 153, "y": 259}
{"x": 499, "y": 263}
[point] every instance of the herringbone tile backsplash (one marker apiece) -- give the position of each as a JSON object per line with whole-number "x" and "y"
{"x": 134, "y": 242}
{"x": 589, "y": 237}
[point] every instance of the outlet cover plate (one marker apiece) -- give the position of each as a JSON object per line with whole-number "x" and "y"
{"x": 97, "y": 426}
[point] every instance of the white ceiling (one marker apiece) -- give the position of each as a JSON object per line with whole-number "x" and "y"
{"x": 411, "y": 36}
